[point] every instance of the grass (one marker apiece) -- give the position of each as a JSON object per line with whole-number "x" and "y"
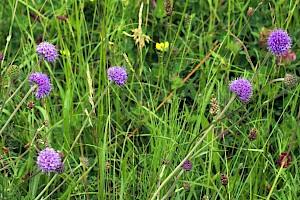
{"x": 162, "y": 112}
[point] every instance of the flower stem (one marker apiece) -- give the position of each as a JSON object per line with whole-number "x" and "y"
{"x": 16, "y": 109}
{"x": 65, "y": 179}
{"x": 173, "y": 186}
{"x": 21, "y": 85}
{"x": 87, "y": 119}
{"x": 191, "y": 151}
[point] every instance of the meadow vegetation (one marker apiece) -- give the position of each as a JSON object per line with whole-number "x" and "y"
{"x": 149, "y": 99}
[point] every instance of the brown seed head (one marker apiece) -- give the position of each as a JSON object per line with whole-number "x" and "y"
{"x": 250, "y": 12}
{"x": 30, "y": 105}
{"x": 168, "y": 7}
{"x": 253, "y": 134}
{"x": 214, "y": 106}
{"x": 224, "y": 179}
{"x": 290, "y": 80}
{"x": 186, "y": 186}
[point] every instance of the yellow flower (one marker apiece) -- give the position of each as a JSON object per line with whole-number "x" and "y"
{"x": 65, "y": 52}
{"x": 163, "y": 46}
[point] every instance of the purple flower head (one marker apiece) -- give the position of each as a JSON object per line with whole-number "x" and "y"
{"x": 187, "y": 165}
{"x": 49, "y": 160}
{"x": 43, "y": 84}
{"x": 47, "y": 51}
{"x": 118, "y": 75}
{"x": 279, "y": 42}
{"x": 242, "y": 88}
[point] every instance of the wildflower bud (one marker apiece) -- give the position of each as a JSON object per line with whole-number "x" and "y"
{"x": 205, "y": 197}
{"x": 242, "y": 88}
{"x": 187, "y": 165}
{"x": 284, "y": 159}
{"x": 290, "y": 80}
{"x": 1, "y": 56}
{"x": 165, "y": 161}
{"x": 61, "y": 168}
{"x": 224, "y": 179}
{"x": 107, "y": 165}
{"x": 13, "y": 72}
{"x": 186, "y": 186}
{"x": 85, "y": 161}
{"x": 264, "y": 35}
{"x": 214, "y": 106}
{"x": 46, "y": 123}
{"x": 250, "y": 12}
{"x": 253, "y": 134}
{"x": 30, "y": 105}
{"x": 168, "y": 7}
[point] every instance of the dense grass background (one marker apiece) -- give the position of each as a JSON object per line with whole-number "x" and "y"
{"x": 130, "y": 133}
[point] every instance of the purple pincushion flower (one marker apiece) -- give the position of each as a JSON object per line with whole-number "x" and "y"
{"x": 49, "y": 160}
{"x": 187, "y": 165}
{"x": 47, "y": 51}
{"x": 118, "y": 75}
{"x": 279, "y": 42}
{"x": 43, "y": 84}
{"x": 242, "y": 88}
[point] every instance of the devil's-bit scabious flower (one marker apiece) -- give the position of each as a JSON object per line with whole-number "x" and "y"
{"x": 279, "y": 42}
{"x": 48, "y": 160}
{"x": 47, "y": 51}
{"x": 118, "y": 75}
{"x": 43, "y": 84}
{"x": 187, "y": 165}
{"x": 242, "y": 88}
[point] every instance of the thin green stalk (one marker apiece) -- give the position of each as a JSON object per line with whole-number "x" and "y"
{"x": 65, "y": 179}
{"x": 173, "y": 186}
{"x": 191, "y": 151}
{"x": 17, "y": 108}
{"x": 21, "y": 85}
{"x": 276, "y": 179}
{"x": 87, "y": 119}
